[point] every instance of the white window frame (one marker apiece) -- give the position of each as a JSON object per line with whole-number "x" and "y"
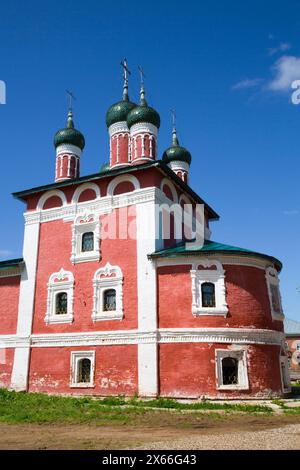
{"x": 77, "y": 356}
{"x": 214, "y": 276}
{"x": 108, "y": 277}
{"x": 284, "y": 369}
{"x": 62, "y": 281}
{"x": 84, "y": 223}
{"x": 273, "y": 280}
{"x": 239, "y": 354}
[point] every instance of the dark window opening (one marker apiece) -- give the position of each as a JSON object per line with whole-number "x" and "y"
{"x": 208, "y": 294}
{"x": 87, "y": 242}
{"x": 230, "y": 368}
{"x": 61, "y": 303}
{"x": 84, "y": 371}
{"x": 109, "y": 300}
{"x": 275, "y": 298}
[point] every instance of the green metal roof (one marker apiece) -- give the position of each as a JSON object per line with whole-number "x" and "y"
{"x": 211, "y": 247}
{"x": 69, "y": 135}
{"x": 160, "y": 165}
{"x": 10, "y": 263}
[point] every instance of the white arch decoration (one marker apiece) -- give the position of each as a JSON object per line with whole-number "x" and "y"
{"x": 166, "y": 182}
{"x": 121, "y": 179}
{"x": 48, "y": 194}
{"x": 184, "y": 198}
{"x": 80, "y": 189}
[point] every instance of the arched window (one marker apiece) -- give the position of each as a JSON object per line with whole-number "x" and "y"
{"x": 208, "y": 294}
{"x": 87, "y": 243}
{"x": 84, "y": 371}
{"x": 109, "y": 300}
{"x": 61, "y": 307}
{"x": 230, "y": 370}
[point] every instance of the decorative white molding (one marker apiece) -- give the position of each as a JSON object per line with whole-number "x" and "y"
{"x": 273, "y": 283}
{"x": 241, "y": 356}
{"x": 86, "y": 222}
{"x": 240, "y": 336}
{"x": 62, "y": 281}
{"x": 221, "y": 335}
{"x": 143, "y": 127}
{"x": 178, "y": 165}
{"x": 83, "y": 187}
{"x": 228, "y": 260}
{"x": 76, "y": 357}
{"x": 103, "y": 205}
{"x": 108, "y": 277}
{"x": 121, "y": 179}
{"x": 214, "y": 276}
{"x": 118, "y": 127}
{"x": 47, "y": 195}
{"x": 68, "y": 148}
{"x": 170, "y": 185}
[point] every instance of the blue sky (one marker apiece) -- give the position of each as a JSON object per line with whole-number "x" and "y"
{"x": 225, "y": 66}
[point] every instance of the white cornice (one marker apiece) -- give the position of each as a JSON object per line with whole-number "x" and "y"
{"x": 230, "y": 259}
{"x": 117, "y": 128}
{"x": 163, "y": 335}
{"x": 100, "y": 206}
{"x": 143, "y": 127}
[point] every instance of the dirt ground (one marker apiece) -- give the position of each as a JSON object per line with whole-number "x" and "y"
{"x": 161, "y": 430}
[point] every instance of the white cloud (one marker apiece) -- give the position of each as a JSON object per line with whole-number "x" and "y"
{"x": 283, "y": 46}
{"x": 285, "y": 70}
{"x": 247, "y": 83}
{"x": 5, "y": 253}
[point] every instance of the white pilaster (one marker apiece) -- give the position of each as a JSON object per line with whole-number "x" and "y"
{"x": 147, "y": 222}
{"x": 19, "y": 380}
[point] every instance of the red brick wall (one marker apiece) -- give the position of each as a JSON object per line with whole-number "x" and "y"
{"x": 55, "y": 252}
{"x": 115, "y": 370}
{"x": 188, "y": 370}
{"x": 247, "y": 299}
{"x": 9, "y": 303}
{"x": 6, "y": 365}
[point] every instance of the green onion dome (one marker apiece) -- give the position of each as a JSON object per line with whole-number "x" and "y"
{"x": 176, "y": 152}
{"x": 105, "y": 167}
{"x": 143, "y": 113}
{"x": 69, "y": 135}
{"x": 118, "y": 112}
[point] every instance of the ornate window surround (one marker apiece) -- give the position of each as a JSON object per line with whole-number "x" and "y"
{"x": 215, "y": 276}
{"x": 87, "y": 222}
{"x": 76, "y": 357}
{"x": 108, "y": 277}
{"x": 62, "y": 281}
{"x": 241, "y": 355}
{"x": 273, "y": 280}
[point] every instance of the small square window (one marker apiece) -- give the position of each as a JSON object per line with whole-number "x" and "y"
{"x": 82, "y": 369}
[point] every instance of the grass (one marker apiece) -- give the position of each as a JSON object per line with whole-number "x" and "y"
{"x": 19, "y": 407}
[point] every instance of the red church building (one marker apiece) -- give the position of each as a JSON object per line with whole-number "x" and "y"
{"x": 106, "y": 302}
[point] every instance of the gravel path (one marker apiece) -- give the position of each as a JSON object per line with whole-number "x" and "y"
{"x": 281, "y": 438}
